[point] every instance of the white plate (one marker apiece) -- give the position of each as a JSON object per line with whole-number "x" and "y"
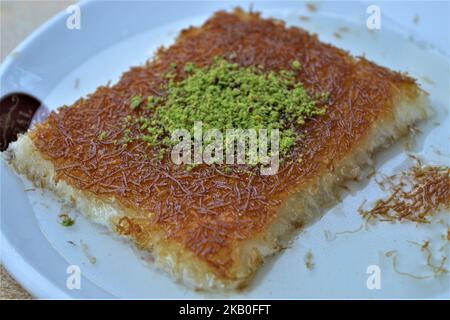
{"x": 117, "y": 35}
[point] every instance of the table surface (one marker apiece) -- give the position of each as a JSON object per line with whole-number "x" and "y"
{"x": 17, "y": 20}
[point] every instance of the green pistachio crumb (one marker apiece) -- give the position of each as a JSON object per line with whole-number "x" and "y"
{"x": 226, "y": 96}
{"x": 66, "y": 220}
{"x": 102, "y": 135}
{"x": 189, "y": 67}
{"x": 152, "y": 102}
{"x": 296, "y": 65}
{"x": 136, "y": 101}
{"x": 228, "y": 170}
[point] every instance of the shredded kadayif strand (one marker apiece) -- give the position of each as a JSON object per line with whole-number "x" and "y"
{"x": 416, "y": 195}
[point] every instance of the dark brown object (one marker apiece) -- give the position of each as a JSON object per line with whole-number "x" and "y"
{"x": 16, "y": 113}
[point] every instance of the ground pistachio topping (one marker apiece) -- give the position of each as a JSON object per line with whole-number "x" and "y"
{"x": 226, "y": 96}
{"x": 66, "y": 220}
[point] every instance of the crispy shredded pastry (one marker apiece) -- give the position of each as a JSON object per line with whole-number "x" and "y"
{"x": 415, "y": 195}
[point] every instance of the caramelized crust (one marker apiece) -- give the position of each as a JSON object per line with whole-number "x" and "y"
{"x": 207, "y": 211}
